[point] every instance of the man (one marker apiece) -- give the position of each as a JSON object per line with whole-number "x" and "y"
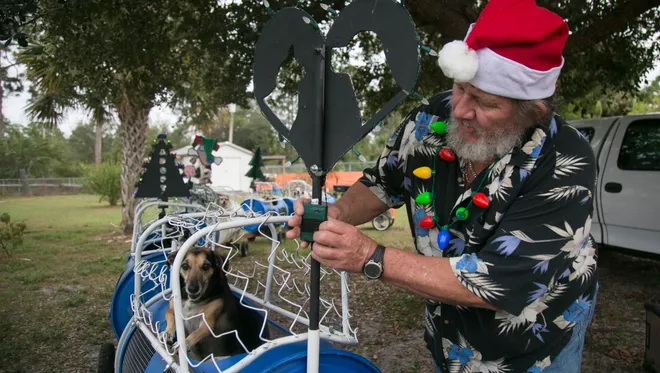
{"x": 499, "y": 194}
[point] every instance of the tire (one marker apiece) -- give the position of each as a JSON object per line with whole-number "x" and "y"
{"x": 107, "y": 358}
{"x": 244, "y": 249}
{"x": 381, "y": 222}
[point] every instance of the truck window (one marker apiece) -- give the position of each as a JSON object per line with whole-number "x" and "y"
{"x": 640, "y": 149}
{"x": 587, "y": 132}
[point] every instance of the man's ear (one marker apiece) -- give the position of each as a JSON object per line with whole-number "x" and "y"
{"x": 170, "y": 258}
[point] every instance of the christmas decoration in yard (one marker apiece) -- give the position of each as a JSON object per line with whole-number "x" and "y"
{"x": 161, "y": 175}
{"x": 328, "y": 122}
{"x": 256, "y": 163}
{"x": 202, "y": 149}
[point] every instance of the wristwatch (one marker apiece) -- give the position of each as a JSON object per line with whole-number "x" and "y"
{"x": 373, "y": 268}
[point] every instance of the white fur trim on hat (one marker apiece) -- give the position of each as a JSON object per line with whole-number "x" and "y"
{"x": 458, "y": 61}
{"x": 503, "y": 77}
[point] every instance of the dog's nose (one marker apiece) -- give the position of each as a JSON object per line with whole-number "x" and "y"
{"x": 193, "y": 289}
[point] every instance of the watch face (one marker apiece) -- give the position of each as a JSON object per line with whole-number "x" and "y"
{"x": 372, "y": 270}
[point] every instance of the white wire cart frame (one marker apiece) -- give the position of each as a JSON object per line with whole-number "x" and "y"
{"x": 283, "y": 294}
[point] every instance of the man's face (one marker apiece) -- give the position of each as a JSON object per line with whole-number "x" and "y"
{"x": 482, "y": 125}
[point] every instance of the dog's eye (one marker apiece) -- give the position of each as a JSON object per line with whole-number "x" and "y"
{"x": 185, "y": 266}
{"x": 206, "y": 267}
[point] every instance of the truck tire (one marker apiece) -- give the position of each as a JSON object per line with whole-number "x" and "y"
{"x": 381, "y": 222}
{"x": 107, "y": 358}
{"x": 244, "y": 249}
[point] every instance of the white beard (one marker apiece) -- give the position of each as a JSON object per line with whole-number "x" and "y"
{"x": 489, "y": 145}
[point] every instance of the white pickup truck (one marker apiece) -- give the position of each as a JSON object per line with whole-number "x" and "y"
{"x": 627, "y": 201}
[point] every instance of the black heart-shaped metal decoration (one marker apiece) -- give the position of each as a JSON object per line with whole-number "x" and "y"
{"x": 328, "y": 121}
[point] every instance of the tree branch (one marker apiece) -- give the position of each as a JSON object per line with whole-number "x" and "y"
{"x": 615, "y": 21}
{"x": 450, "y": 18}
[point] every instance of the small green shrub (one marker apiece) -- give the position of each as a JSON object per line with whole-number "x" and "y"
{"x": 11, "y": 234}
{"x": 105, "y": 182}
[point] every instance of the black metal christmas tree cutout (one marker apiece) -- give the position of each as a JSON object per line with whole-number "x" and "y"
{"x": 161, "y": 177}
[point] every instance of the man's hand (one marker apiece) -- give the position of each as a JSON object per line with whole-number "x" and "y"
{"x": 342, "y": 246}
{"x": 296, "y": 219}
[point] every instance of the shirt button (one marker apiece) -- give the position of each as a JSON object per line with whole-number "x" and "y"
{"x": 446, "y": 322}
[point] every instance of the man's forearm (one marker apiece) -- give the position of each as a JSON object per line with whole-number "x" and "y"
{"x": 428, "y": 277}
{"x": 359, "y": 205}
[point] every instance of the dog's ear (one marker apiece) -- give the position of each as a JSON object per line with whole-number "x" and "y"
{"x": 170, "y": 258}
{"x": 219, "y": 259}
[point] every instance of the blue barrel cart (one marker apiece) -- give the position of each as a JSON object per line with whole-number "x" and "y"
{"x": 141, "y": 347}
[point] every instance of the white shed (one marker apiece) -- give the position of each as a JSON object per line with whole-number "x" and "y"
{"x": 231, "y": 172}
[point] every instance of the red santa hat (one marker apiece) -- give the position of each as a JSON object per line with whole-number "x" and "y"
{"x": 513, "y": 50}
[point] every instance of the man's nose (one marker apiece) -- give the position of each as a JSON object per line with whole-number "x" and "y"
{"x": 463, "y": 109}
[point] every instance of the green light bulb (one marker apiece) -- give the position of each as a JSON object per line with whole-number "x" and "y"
{"x": 424, "y": 198}
{"x": 439, "y": 127}
{"x": 462, "y": 213}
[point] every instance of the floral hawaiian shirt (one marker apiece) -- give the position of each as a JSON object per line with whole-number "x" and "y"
{"x": 529, "y": 252}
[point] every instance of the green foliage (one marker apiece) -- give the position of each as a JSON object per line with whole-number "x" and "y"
{"x": 648, "y": 101}
{"x": 24, "y": 147}
{"x": 41, "y": 156}
{"x": 11, "y": 234}
{"x": 13, "y": 15}
{"x": 82, "y": 140}
{"x": 104, "y": 181}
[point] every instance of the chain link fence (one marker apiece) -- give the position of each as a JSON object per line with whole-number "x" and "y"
{"x": 41, "y": 186}
{"x": 299, "y": 168}
{"x": 74, "y": 185}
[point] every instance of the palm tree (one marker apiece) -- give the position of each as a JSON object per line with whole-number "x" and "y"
{"x": 50, "y": 92}
{"x": 100, "y": 115}
{"x": 54, "y": 93}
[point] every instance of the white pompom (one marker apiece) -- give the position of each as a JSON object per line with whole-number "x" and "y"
{"x": 458, "y": 61}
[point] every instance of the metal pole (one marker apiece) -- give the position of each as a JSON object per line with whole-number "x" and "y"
{"x": 318, "y": 179}
{"x": 231, "y": 127}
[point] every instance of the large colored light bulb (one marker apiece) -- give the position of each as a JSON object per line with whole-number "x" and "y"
{"x": 423, "y": 172}
{"x": 424, "y": 198}
{"x": 439, "y": 127}
{"x": 443, "y": 238}
{"x": 447, "y": 155}
{"x": 427, "y": 223}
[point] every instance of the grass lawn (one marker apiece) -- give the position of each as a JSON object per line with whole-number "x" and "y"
{"x": 56, "y": 290}
{"x": 55, "y": 295}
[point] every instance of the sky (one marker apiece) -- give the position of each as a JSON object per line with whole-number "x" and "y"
{"x": 13, "y": 109}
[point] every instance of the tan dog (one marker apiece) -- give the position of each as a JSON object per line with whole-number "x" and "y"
{"x": 204, "y": 290}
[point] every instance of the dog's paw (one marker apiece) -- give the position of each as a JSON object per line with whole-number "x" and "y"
{"x": 170, "y": 337}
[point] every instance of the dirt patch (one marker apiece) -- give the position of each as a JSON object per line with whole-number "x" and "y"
{"x": 113, "y": 237}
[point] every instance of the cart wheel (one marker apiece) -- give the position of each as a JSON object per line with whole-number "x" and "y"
{"x": 381, "y": 222}
{"x": 244, "y": 248}
{"x": 107, "y": 358}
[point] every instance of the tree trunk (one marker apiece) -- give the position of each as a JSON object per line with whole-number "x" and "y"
{"x": 98, "y": 145}
{"x": 2, "y": 117}
{"x": 133, "y": 118}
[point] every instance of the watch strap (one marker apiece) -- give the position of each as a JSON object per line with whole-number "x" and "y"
{"x": 378, "y": 254}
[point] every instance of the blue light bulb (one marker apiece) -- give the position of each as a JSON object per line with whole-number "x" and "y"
{"x": 443, "y": 238}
